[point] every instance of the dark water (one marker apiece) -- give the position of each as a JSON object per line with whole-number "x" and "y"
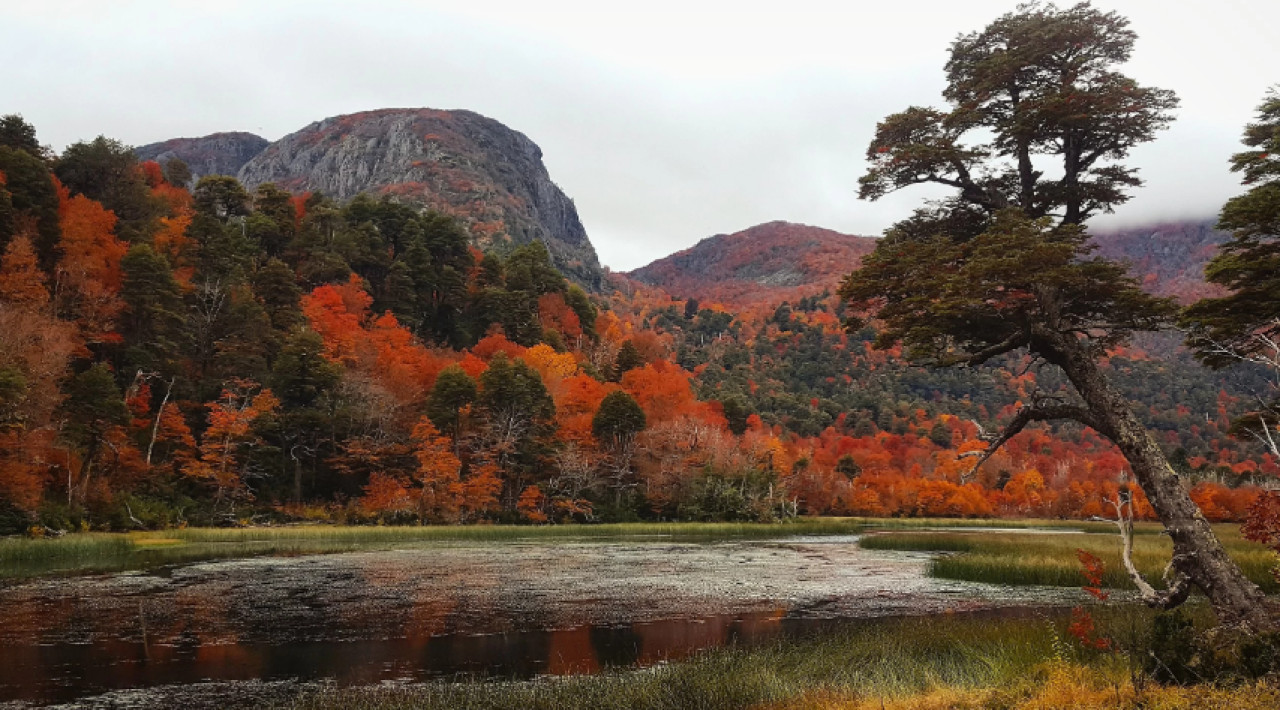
{"x": 512, "y": 610}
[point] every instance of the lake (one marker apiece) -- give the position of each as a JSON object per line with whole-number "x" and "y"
{"x": 512, "y": 609}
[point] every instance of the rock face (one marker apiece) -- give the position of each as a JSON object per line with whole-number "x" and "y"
{"x": 217, "y": 154}
{"x": 767, "y": 263}
{"x": 457, "y": 162}
{"x": 1169, "y": 258}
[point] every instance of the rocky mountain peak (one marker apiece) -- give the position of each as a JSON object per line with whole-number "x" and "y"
{"x": 215, "y": 154}
{"x": 458, "y": 162}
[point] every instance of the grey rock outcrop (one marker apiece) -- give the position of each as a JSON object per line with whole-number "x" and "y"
{"x": 459, "y": 162}
{"x": 216, "y": 154}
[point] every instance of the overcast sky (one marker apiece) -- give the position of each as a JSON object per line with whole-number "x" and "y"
{"x": 665, "y": 125}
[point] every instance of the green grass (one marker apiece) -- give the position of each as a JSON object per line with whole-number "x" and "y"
{"x": 1050, "y": 559}
{"x": 110, "y": 552}
{"x": 888, "y": 659}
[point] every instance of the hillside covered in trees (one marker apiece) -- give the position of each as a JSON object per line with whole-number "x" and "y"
{"x": 222, "y": 354}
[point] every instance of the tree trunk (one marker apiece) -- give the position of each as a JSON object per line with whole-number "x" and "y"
{"x": 1197, "y": 553}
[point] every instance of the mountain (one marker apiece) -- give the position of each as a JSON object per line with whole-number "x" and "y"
{"x": 766, "y": 263}
{"x": 777, "y": 261}
{"x": 1168, "y": 257}
{"x": 216, "y": 154}
{"x": 458, "y": 162}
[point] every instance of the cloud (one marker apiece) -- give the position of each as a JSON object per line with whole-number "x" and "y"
{"x": 666, "y": 123}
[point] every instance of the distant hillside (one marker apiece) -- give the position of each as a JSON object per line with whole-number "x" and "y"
{"x": 217, "y": 154}
{"x": 458, "y": 162}
{"x": 766, "y": 263}
{"x": 776, "y": 261}
{"x": 1168, "y": 257}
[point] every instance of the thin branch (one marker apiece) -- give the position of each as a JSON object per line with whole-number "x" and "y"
{"x": 1013, "y": 342}
{"x": 155, "y": 429}
{"x": 1177, "y": 585}
{"x": 1025, "y": 416}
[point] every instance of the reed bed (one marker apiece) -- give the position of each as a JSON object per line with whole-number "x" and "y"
{"x": 889, "y": 659}
{"x": 1014, "y": 662}
{"x": 1051, "y": 559}
{"x": 109, "y": 552}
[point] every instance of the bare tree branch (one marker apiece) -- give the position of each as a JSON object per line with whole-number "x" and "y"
{"x": 1026, "y": 415}
{"x": 1177, "y": 585}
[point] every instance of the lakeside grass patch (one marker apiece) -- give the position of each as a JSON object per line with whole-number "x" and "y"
{"x": 888, "y": 658}
{"x": 1050, "y": 559}
{"x": 78, "y": 553}
{"x": 1006, "y": 661}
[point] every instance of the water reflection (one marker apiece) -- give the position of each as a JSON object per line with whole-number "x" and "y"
{"x": 509, "y": 610}
{"x": 63, "y": 671}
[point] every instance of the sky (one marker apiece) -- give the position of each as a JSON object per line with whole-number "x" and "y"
{"x": 666, "y": 123}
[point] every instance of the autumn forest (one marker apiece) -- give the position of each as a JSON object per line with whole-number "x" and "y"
{"x": 356, "y": 417}
{"x": 182, "y": 352}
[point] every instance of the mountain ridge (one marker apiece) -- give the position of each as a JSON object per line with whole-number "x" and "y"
{"x": 779, "y": 260}
{"x": 222, "y": 153}
{"x": 773, "y": 261}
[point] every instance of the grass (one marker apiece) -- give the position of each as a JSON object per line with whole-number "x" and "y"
{"x": 1050, "y": 559}
{"x": 936, "y": 662}
{"x": 891, "y": 658}
{"x": 1020, "y": 558}
{"x": 112, "y": 552}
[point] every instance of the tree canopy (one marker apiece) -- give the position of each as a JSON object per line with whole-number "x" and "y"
{"x": 1244, "y": 325}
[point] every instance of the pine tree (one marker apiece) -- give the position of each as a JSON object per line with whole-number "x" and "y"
{"x": 618, "y": 420}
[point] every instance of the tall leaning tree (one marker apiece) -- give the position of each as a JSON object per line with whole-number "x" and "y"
{"x": 1037, "y": 119}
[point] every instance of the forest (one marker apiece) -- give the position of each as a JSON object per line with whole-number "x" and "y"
{"x": 180, "y": 352}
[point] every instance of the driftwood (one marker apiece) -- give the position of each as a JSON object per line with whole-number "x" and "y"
{"x": 1177, "y": 585}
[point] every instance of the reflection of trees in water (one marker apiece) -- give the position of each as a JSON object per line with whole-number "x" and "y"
{"x": 572, "y": 651}
{"x": 674, "y": 639}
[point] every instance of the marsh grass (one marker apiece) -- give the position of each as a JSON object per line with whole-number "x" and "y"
{"x": 1050, "y": 559}
{"x": 893, "y": 658}
{"x": 951, "y": 661}
{"x": 112, "y": 552}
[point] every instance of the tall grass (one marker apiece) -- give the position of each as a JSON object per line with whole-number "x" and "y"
{"x": 107, "y": 552}
{"x": 982, "y": 661}
{"x": 893, "y": 658}
{"x": 1051, "y": 559}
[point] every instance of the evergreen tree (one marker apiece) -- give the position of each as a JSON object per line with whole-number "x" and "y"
{"x": 1005, "y": 265}
{"x": 736, "y": 413}
{"x": 848, "y": 468}
{"x": 1244, "y": 326}
{"x": 153, "y": 324}
{"x": 107, "y": 171}
{"x": 580, "y": 303}
{"x": 618, "y": 419}
{"x": 529, "y": 269}
{"x": 453, "y": 391}
{"x": 629, "y": 358}
{"x": 691, "y": 309}
{"x": 302, "y": 375}
{"x": 17, "y": 134}
{"x": 28, "y": 191}
{"x": 518, "y": 413}
{"x": 276, "y": 287}
{"x": 304, "y": 431}
{"x": 177, "y": 173}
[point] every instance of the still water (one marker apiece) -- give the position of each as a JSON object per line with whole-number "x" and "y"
{"x": 517, "y": 609}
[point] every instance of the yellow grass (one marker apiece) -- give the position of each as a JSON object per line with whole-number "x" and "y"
{"x": 1056, "y": 686}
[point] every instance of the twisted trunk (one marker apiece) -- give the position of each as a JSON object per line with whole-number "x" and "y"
{"x": 1197, "y": 553}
